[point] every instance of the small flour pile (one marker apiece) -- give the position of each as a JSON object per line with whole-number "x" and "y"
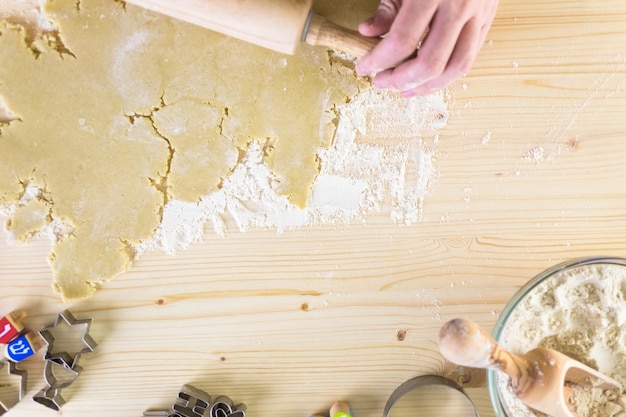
{"x": 580, "y": 312}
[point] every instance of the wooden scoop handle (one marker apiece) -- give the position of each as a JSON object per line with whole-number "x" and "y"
{"x": 465, "y": 343}
{"x": 322, "y": 32}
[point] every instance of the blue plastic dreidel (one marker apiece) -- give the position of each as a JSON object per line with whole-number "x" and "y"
{"x": 23, "y": 347}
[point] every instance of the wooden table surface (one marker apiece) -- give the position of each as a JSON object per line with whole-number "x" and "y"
{"x": 289, "y": 323}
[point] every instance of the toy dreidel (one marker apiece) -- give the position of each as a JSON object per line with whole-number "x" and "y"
{"x": 23, "y": 347}
{"x": 10, "y": 327}
{"x": 341, "y": 409}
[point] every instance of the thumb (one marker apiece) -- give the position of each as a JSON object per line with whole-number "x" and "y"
{"x": 381, "y": 20}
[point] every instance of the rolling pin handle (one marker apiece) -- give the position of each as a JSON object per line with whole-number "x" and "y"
{"x": 319, "y": 31}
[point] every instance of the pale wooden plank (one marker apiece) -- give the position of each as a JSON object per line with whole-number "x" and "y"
{"x": 290, "y": 323}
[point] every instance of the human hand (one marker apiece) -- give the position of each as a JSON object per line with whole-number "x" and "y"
{"x": 456, "y": 31}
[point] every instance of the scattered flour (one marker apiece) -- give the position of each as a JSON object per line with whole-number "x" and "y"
{"x": 5, "y": 115}
{"x": 377, "y": 162}
{"x": 28, "y": 15}
{"x": 537, "y": 154}
{"x": 393, "y": 168}
{"x": 486, "y": 138}
{"x": 580, "y": 312}
{"x": 55, "y": 230}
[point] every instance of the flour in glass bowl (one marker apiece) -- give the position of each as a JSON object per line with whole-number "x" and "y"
{"x": 580, "y": 312}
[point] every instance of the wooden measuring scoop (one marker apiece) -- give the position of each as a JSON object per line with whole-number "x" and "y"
{"x": 540, "y": 378}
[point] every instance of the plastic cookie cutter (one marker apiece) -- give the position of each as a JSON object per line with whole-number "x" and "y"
{"x": 419, "y": 383}
{"x": 67, "y": 359}
{"x": 51, "y": 395}
{"x": 11, "y": 367}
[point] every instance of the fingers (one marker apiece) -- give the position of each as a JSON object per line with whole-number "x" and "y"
{"x": 461, "y": 59}
{"x": 381, "y": 21}
{"x": 457, "y": 29}
{"x": 432, "y": 58}
{"x": 403, "y": 36}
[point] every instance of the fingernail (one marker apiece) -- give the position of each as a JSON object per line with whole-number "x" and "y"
{"x": 410, "y": 90}
{"x": 409, "y": 86}
{"x": 369, "y": 21}
{"x": 362, "y": 71}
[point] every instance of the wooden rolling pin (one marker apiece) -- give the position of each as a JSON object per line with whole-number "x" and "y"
{"x": 280, "y": 25}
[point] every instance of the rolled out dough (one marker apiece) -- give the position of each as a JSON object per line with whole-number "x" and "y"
{"x": 119, "y": 110}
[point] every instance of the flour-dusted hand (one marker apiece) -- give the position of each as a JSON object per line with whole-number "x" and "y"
{"x": 456, "y": 32}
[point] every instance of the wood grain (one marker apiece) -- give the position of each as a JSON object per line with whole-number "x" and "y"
{"x": 290, "y": 323}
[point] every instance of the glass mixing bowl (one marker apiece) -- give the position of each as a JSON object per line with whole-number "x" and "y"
{"x": 492, "y": 375}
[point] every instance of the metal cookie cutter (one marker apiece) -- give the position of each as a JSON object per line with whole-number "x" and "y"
{"x": 51, "y": 396}
{"x": 223, "y": 407}
{"x": 11, "y": 367}
{"x": 191, "y": 402}
{"x": 424, "y": 381}
{"x": 65, "y": 358}
{"x": 62, "y": 362}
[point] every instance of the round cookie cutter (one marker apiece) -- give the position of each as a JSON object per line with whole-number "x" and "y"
{"x": 425, "y": 381}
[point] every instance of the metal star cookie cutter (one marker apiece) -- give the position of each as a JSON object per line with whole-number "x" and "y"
{"x": 51, "y": 396}
{"x": 13, "y": 370}
{"x": 65, "y": 358}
